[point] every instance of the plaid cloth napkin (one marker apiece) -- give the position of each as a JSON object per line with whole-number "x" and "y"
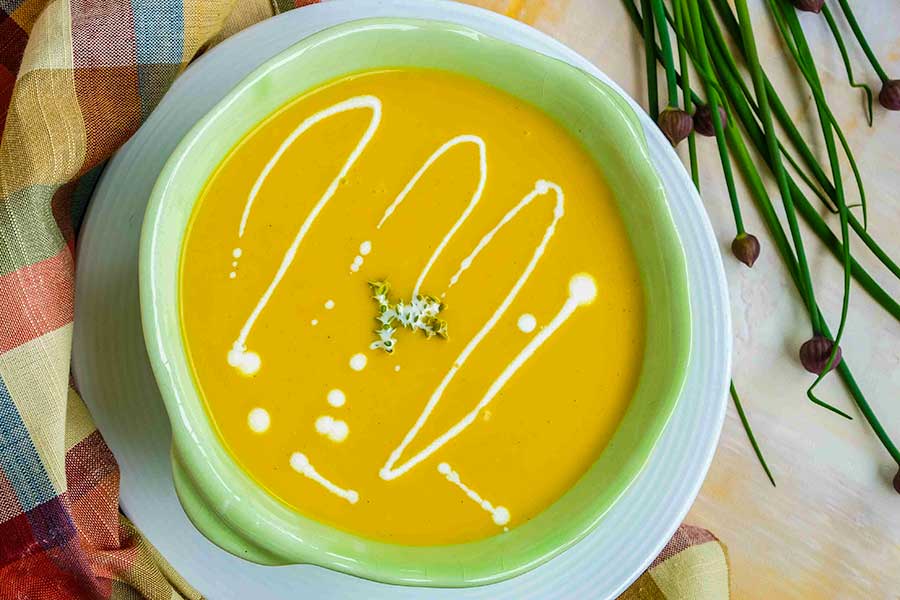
{"x": 77, "y": 78}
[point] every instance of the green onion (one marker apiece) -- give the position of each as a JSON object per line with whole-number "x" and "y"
{"x": 697, "y": 35}
{"x": 842, "y": 48}
{"x": 671, "y": 85}
{"x": 700, "y": 39}
{"x": 745, "y": 247}
{"x": 749, "y": 430}
{"x": 828, "y": 124}
{"x": 861, "y": 38}
{"x": 793, "y": 134}
{"x": 686, "y": 92}
{"x": 774, "y": 153}
{"x": 650, "y": 62}
{"x": 810, "y": 215}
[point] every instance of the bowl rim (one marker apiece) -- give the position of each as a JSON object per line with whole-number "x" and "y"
{"x": 204, "y": 494}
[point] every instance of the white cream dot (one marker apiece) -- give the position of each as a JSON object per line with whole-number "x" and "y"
{"x": 358, "y": 362}
{"x": 232, "y": 275}
{"x": 237, "y": 252}
{"x": 443, "y": 468}
{"x": 336, "y": 398}
{"x": 247, "y": 363}
{"x": 323, "y": 424}
{"x": 299, "y": 462}
{"x": 258, "y": 419}
{"x": 334, "y": 429}
{"x": 329, "y": 304}
{"x": 234, "y": 263}
{"x": 365, "y": 248}
{"x": 339, "y": 431}
{"x": 582, "y": 289}
{"x": 314, "y": 322}
{"x": 527, "y": 323}
{"x": 501, "y": 515}
{"x": 354, "y": 267}
{"x": 397, "y": 368}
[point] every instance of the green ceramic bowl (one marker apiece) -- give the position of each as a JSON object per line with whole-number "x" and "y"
{"x": 220, "y": 499}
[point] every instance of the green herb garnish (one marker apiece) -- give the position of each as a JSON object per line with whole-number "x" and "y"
{"x": 420, "y": 313}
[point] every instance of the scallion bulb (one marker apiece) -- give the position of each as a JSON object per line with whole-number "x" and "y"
{"x": 746, "y": 248}
{"x": 813, "y": 6}
{"x": 676, "y": 124}
{"x": 890, "y": 94}
{"x": 703, "y": 123}
{"x": 814, "y": 354}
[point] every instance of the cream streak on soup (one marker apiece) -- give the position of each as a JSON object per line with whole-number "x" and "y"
{"x": 482, "y": 220}
{"x": 499, "y": 514}
{"x": 249, "y": 362}
{"x": 239, "y": 357}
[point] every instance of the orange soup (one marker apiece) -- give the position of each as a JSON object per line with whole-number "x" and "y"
{"x": 411, "y": 307}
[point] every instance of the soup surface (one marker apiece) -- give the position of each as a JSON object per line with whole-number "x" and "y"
{"x": 480, "y": 212}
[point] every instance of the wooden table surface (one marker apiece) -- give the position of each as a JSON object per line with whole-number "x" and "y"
{"x": 831, "y": 529}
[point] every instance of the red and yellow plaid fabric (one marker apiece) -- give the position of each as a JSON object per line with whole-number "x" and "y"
{"x": 77, "y": 78}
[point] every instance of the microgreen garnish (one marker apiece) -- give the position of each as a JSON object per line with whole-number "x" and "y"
{"x": 419, "y": 314}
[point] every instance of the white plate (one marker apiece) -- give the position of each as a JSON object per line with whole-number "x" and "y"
{"x": 111, "y": 368}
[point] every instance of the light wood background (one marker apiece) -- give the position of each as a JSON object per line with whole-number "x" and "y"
{"x": 831, "y": 529}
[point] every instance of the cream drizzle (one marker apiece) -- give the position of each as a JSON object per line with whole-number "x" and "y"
{"x": 301, "y": 464}
{"x": 364, "y": 249}
{"x": 582, "y": 290}
{"x": 389, "y": 471}
{"x": 500, "y": 514}
{"x": 239, "y": 347}
{"x": 476, "y": 196}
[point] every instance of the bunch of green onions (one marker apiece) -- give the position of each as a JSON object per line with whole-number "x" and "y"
{"x": 739, "y": 114}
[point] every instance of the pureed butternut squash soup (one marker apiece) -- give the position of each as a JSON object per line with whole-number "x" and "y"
{"x": 411, "y": 307}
